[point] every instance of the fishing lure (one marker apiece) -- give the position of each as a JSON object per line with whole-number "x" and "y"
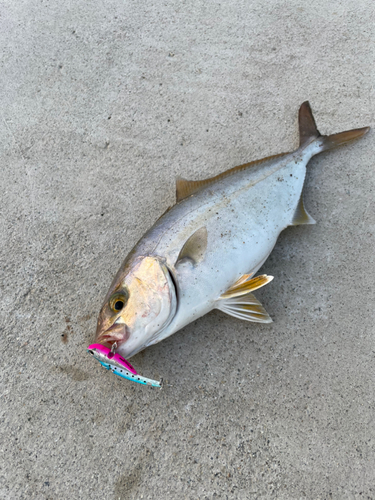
{"x": 118, "y": 365}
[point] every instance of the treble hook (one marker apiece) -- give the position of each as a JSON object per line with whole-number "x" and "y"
{"x": 114, "y": 347}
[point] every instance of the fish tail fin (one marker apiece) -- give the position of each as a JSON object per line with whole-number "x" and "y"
{"x": 307, "y": 126}
{"x": 308, "y": 131}
{"x": 334, "y": 140}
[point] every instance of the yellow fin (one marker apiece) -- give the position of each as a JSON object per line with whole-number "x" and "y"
{"x": 301, "y": 216}
{"x": 246, "y": 307}
{"x": 241, "y": 280}
{"x": 185, "y": 188}
{"x": 195, "y": 247}
{"x": 246, "y": 287}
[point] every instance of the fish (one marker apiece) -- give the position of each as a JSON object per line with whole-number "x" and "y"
{"x": 203, "y": 253}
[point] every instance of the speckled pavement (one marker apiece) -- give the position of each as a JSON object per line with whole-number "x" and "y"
{"x": 103, "y": 105}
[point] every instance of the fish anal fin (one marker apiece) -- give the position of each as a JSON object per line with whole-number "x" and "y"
{"x": 185, "y": 188}
{"x": 247, "y": 286}
{"x": 246, "y": 307}
{"x": 195, "y": 247}
{"x": 301, "y": 216}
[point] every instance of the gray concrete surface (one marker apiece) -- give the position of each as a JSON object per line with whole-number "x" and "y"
{"x": 103, "y": 104}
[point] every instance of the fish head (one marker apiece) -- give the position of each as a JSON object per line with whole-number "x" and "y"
{"x": 140, "y": 303}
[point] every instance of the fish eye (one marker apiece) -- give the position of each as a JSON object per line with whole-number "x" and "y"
{"x": 118, "y": 301}
{"x": 119, "y": 304}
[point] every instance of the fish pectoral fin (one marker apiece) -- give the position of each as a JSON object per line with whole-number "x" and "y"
{"x": 195, "y": 247}
{"x": 301, "y": 216}
{"x": 245, "y": 307}
{"x": 245, "y": 286}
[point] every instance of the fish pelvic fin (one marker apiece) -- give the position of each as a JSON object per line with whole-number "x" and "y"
{"x": 245, "y": 307}
{"x": 308, "y": 131}
{"x": 243, "y": 287}
{"x": 301, "y": 215}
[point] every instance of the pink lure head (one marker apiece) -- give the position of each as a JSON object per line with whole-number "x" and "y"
{"x": 105, "y": 351}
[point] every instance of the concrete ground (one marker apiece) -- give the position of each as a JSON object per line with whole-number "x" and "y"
{"x": 103, "y": 104}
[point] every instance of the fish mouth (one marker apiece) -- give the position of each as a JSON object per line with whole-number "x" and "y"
{"x": 116, "y": 333}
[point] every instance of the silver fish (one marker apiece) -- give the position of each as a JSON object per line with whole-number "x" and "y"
{"x": 202, "y": 254}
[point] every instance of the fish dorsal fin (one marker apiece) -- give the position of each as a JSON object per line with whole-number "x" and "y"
{"x": 195, "y": 247}
{"x": 244, "y": 287}
{"x": 246, "y": 307}
{"x": 307, "y": 126}
{"x": 185, "y": 188}
{"x": 301, "y": 216}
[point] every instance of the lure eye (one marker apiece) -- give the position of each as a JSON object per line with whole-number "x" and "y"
{"x": 117, "y": 301}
